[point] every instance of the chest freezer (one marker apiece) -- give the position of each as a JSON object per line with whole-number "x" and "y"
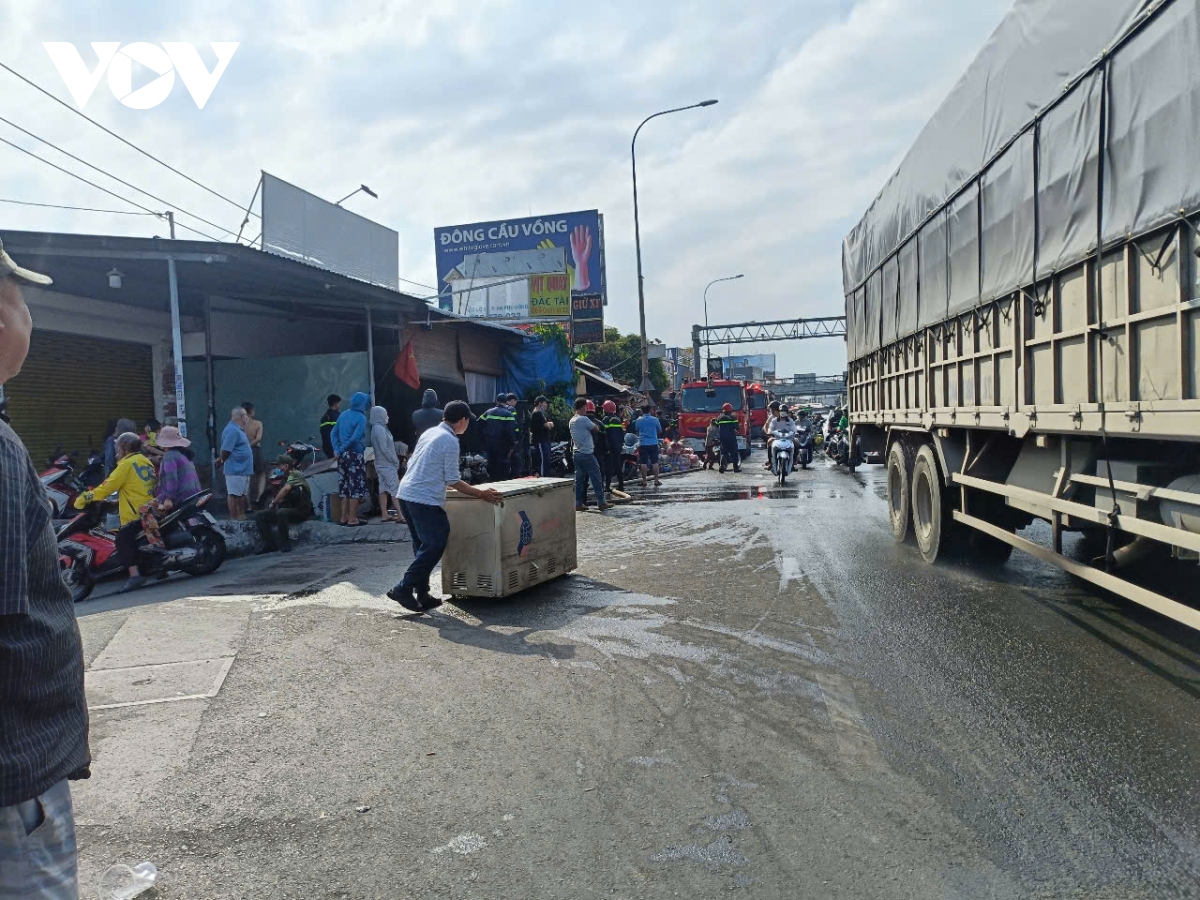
{"x": 498, "y": 551}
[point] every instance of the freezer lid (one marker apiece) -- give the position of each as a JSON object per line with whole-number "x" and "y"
{"x": 518, "y": 487}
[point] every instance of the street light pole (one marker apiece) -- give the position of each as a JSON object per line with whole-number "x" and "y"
{"x": 361, "y": 188}
{"x": 647, "y": 385}
{"x": 710, "y": 284}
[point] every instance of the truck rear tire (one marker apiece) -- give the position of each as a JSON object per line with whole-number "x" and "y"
{"x": 930, "y": 516}
{"x": 899, "y": 491}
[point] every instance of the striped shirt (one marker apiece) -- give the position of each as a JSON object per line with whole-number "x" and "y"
{"x": 432, "y": 467}
{"x": 43, "y": 713}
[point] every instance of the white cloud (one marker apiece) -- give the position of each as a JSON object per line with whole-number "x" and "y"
{"x": 462, "y": 111}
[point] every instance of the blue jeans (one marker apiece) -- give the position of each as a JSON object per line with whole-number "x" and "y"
{"x": 37, "y": 848}
{"x": 586, "y": 468}
{"x": 430, "y": 529}
{"x": 544, "y": 453}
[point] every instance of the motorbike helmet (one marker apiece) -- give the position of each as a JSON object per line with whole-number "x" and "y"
{"x": 773, "y": 405}
{"x": 590, "y": 407}
{"x": 610, "y": 407}
{"x": 728, "y": 407}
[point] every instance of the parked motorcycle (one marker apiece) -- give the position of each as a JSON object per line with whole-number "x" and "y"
{"x": 473, "y": 468}
{"x": 192, "y": 544}
{"x": 782, "y": 454}
{"x": 306, "y": 456}
{"x": 63, "y": 483}
{"x": 562, "y": 464}
{"x": 630, "y": 466}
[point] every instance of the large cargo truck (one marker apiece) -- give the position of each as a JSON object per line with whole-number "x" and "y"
{"x": 1023, "y": 303}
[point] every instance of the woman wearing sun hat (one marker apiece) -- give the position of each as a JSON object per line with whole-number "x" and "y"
{"x": 177, "y": 478}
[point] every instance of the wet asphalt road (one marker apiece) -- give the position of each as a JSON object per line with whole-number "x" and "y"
{"x": 744, "y": 690}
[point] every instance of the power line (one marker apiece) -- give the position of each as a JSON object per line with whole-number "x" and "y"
{"x": 99, "y": 187}
{"x": 107, "y": 130}
{"x": 417, "y": 283}
{"x": 114, "y": 212}
{"x": 112, "y": 176}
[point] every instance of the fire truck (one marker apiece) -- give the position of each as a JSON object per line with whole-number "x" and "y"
{"x": 759, "y": 398}
{"x": 702, "y": 401}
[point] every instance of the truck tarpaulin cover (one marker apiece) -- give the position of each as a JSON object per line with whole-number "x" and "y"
{"x": 974, "y": 163}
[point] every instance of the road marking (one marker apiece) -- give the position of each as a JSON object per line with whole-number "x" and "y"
{"x": 218, "y": 681}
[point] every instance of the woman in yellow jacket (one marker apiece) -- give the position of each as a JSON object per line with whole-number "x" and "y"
{"x": 133, "y": 482}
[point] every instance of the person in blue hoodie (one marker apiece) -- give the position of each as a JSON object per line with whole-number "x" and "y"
{"x": 349, "y": 437}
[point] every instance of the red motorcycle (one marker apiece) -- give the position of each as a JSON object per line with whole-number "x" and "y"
{"x": 87, "y": 553}
{"x": 63, "y": 483}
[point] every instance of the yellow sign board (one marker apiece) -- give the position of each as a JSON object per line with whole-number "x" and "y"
{"x": 550, "y": 295}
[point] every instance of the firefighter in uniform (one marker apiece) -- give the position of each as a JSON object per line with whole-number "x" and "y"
{"x": 727, "y": 426}
{"x": 614, "y": 437}
{"x": 499, "y": 437}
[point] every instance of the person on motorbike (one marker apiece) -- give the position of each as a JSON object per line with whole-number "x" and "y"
{"x": 785, "y": 426}
{"x": 772, "y": 415}
{"x": 177, "y": 478}
{"x": 133, "y": 482}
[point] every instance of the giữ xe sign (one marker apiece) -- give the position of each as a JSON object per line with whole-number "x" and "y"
{"x": 164, "y": 61}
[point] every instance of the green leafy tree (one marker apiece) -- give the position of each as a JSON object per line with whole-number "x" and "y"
{"x": 621, "y": 356}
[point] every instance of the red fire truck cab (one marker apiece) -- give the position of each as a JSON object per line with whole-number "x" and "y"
{"x": 759, "y": 398}
{"x": 701, "y": 402}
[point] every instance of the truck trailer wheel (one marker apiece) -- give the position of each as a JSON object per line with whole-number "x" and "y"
{"x": 899, "y": 492}
{"x": 930, "y": 517}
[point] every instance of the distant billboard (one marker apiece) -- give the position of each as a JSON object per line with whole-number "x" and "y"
{"x": 302, "y": 226}
{"x": 764, "y": 361}
{"x": 461, "y": 250}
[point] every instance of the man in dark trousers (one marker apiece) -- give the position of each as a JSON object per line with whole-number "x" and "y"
{"x": 541, "y": 427}
{"x": 432, "y": 468}
{"x": 499, "y": 437}
{"x": 43, "y": 711}
{"x": 614, "y": 437}
{"x": 429, "y": 415}
{"x": 727, "y": 427}
{"x": 328, "y": 420}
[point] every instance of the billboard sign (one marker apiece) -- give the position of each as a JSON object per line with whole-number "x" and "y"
{"x": 579, "y": 235}
{"x": 302, "y": 226}
{"x": 587, "y": 319}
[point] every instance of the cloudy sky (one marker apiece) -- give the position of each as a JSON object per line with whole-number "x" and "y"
{"x": 463, "y": 111}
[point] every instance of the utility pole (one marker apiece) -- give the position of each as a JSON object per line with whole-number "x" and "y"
{"x": 171, "y": 223}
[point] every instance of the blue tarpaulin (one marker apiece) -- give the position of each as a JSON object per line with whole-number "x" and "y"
{"x": 533, "y": 367}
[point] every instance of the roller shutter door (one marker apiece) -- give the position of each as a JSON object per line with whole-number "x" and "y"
{"x": 70, "y": 386}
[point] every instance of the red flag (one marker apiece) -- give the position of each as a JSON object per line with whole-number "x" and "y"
{"x": 405, "y": 367}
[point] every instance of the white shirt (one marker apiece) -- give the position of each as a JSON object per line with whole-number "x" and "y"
{"x": 432, "y": 467}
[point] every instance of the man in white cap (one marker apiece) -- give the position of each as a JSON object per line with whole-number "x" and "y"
{"x": 43, "y": 713}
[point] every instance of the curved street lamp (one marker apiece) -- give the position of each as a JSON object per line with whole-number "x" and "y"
{"x": 710, "y": 284}
{"x": 361, "y": 188}
{"x": 647, "y": 385}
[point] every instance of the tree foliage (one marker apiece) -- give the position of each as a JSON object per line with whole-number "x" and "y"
{"x": 620, "y": 356}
